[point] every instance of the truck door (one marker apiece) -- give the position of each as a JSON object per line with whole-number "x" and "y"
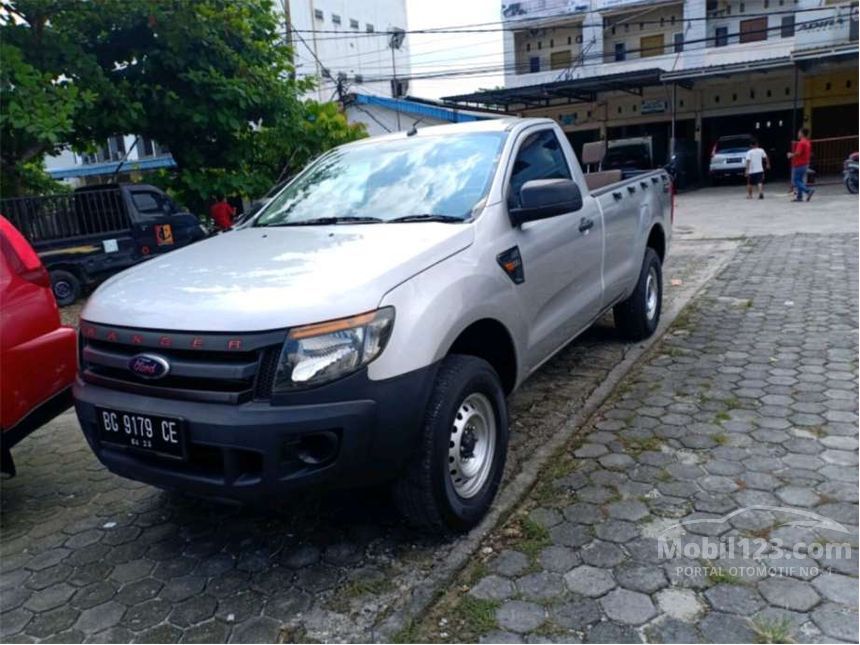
{"x": 561, "y": 255}
{"x": 159, "y": 224}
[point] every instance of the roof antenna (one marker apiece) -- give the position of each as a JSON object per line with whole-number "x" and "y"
{"x": 414, "y": 130}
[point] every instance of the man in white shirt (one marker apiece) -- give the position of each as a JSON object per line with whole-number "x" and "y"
{"x": 757, "y": 162}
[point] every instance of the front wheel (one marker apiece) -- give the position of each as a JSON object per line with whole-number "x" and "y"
{"x": 451, "y": 482}
{"x": 638, "y": 316}
{"x": 851, "y": 183}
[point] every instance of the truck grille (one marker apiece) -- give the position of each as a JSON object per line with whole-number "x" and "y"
{"x": 219, "y": 368}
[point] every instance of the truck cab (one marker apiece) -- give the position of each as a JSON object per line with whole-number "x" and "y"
{"x": 367, "y": 325}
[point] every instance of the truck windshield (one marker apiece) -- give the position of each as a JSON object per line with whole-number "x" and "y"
{"x": 436, "y": 177}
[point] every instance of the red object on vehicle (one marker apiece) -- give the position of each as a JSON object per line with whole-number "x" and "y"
{"x": 37, "y": 354}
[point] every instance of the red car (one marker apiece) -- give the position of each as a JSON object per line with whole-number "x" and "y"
{"x": 37, "y": 354}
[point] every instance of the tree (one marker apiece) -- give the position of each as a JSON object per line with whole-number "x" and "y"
{"x": 209, "y": 79}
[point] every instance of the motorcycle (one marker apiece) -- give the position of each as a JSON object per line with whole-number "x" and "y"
{"x": 849, "y": 172}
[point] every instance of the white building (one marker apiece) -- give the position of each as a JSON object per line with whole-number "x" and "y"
{"x": 350, "y": 43}
{"x": 688, "y": 70}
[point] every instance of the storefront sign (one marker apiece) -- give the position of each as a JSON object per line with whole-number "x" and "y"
{"x": 652, "y": 106}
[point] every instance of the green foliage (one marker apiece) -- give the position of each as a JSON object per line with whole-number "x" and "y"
{"x": 209, "y": 79}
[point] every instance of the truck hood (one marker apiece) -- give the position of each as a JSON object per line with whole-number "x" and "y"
{"x": 257, "y": 279}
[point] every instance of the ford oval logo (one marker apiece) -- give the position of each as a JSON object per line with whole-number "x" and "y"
{"x": 149, "y": 366}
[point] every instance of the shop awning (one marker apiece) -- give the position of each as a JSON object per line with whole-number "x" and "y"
{"x": 572, "y": 91}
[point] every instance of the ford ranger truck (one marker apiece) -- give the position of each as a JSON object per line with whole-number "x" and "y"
{"x": 368, "y": 323}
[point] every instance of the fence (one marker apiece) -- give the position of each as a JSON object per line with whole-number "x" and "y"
{"x": 829, "y": 154}
{"x": 67, "y": 216}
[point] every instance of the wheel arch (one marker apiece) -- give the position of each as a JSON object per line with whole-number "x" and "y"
{"x": 489, "y": 339}
{"x": 657, "y": 241}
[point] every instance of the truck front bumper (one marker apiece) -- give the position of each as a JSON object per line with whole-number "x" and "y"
{"x": 349, "y": 433}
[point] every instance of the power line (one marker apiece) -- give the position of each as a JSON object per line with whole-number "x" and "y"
{"x": 597, "y": 56}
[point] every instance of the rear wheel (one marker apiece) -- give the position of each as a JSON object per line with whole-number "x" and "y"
{"x": 851, "y": 183}
{"x": 66, "y": 287}
{"x": 638, "y": 316}
{"x": 452, "y": 481}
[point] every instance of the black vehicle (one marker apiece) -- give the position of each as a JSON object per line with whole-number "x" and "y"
{"x": 86, "y": 236}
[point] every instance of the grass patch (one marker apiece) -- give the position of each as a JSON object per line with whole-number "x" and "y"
{"x": 722, "y": 416}
{"x": 545, "y": 492}
{"x": 409, "y": 634}
{"x": 720, "y": 576}
{"x": 475, "y": 615}
{"x": 721, "y": 439}
{"x": 773, "y": 631}
{"x": 637, "y": 446}
{"x": 533, "y": 538}
{"x": 664, "y": 475}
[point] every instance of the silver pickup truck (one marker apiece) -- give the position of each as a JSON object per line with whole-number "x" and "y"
{"x": 368, "y": 324}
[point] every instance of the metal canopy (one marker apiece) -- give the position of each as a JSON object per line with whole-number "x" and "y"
{"x": 575, "y": 90}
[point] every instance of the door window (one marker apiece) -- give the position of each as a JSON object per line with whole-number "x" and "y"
{"x": 539, "y": 157}
{"x": 150, "y": 204}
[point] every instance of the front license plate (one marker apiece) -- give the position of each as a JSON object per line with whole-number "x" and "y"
{"x": 144, "y": 432}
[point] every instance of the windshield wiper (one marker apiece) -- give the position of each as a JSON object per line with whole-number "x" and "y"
{"x": 324, "y": 221}
{"x": 427, "y": 217}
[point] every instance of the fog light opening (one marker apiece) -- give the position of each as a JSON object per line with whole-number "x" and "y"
{"x": 318, "y": 448}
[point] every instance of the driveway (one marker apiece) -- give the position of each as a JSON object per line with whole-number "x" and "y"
{"x": 90, "y": 556}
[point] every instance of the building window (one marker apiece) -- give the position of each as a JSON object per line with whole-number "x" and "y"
{"x": 743, "y": 7}
{"x": 540, "y": 45}
{"x": 568, "y": 40}
{"x": 335, "y": 18}
{"x": 353, "y": 24}
{"x": 534, "y": 64}
{"x": 651, "y": 46}
{"x": 721, "y": 37}
{"x": 753, "y": 30}
{"x": 679, "y": 42}
{"x": 318, "y": 14}
{"x": 786, "y": 28}
{"x": 369, "y": 28}
{"x": 560, "y": 60}
{"x": 620, "y": 51}
{"x": 551, "y": 43}
{"x": 528, "y": 47}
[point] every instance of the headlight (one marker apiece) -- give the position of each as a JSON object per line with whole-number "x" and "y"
{"x": 316, "y": 354}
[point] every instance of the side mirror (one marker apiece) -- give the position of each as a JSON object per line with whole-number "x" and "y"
{"x": 543, "y": 198}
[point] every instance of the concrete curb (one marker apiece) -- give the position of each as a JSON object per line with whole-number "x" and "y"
{"x": 516, "y": 490}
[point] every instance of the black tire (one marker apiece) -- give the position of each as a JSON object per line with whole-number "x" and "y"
{"x": 851, "y": 184}
{"x": 632, "y": 317}
{"x": 425, "y": 493}
{"x": 66, "y": 287}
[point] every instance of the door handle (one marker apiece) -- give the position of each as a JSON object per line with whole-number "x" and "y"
{"x": 585, "y": 223}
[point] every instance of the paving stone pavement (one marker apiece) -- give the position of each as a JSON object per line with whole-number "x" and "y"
{"x": 88, "y": 556}
{"x": 741, "y": 426}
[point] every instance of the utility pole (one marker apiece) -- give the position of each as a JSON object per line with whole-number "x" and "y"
{"x": 395, "y": 41}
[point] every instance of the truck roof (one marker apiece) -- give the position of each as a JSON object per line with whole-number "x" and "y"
{"x": 501, "y": 124}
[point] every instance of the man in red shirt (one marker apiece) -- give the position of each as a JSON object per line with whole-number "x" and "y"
{"x": 800, "y": 165}
{"x": 222, "y": 213}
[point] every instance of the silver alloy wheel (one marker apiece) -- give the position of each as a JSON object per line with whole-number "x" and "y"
{"x": 651, "y": 294}
{"x": 472, "y": 445}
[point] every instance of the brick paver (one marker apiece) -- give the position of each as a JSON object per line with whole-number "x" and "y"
{"x": 86, "y": 555}
{"x": 744, "y": 416}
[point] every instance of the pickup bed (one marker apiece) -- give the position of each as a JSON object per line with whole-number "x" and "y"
{"x": 369, "y": 322}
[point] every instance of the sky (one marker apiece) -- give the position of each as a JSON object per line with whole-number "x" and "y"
{"x": 452, "y": 51}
